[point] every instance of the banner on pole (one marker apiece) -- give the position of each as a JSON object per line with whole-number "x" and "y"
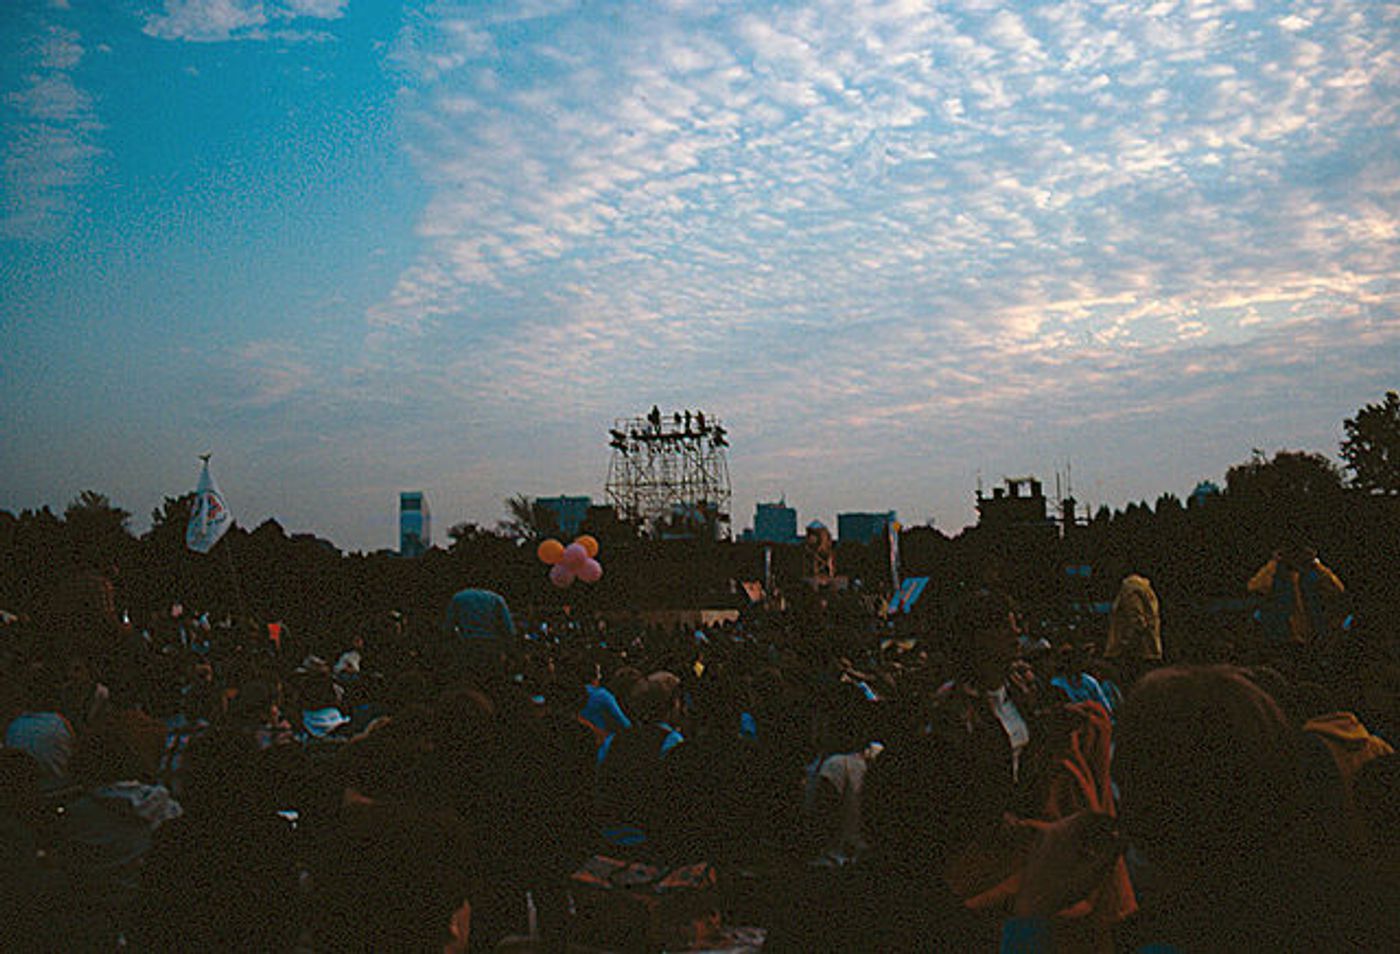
{"x": 209, "y": 516}
{"x": 910, "y": 589}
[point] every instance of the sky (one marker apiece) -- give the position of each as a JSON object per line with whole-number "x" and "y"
{"x": 353, "y": 247}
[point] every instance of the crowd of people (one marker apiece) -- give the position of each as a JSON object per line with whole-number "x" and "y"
{"x": 983, "y": 784}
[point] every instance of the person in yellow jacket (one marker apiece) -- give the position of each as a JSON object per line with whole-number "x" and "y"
{"x": 1352, "y": 745}
{"x": 1294, "y": 584}
{"x": 1134, "y": 628}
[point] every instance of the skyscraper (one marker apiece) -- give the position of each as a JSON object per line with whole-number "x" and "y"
{"x": 775, "y": 523}
{"x": 569, "y": 512}
{"x": 863, "y": 527}
{"x": 415, "y": 526}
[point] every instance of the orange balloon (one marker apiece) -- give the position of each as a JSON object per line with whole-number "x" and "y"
{"x": 589, "y": 544}
{"x": 550, "y": 551}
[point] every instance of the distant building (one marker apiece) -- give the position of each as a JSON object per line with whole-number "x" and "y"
{"x": 700, "y": 520}
{"x": 820, "y": 555}
{"x": 775, "y": 523}
{"x": 1204, "y": 491}
{"x": 1020, "y": 503}
{"x": 863, "y": 527}
{"x": 415, "y": 524}
{"x": 569, "y": 512}
{"x": 1069, "y": 514}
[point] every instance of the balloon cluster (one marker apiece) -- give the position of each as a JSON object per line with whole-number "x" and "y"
{"x": 568, "y": 563}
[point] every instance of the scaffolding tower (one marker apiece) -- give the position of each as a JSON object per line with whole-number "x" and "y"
{"x": 669, "y": 475}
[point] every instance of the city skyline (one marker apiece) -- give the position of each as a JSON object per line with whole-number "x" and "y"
{"x": 355, "y": 248}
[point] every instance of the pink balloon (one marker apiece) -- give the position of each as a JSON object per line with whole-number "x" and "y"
{"x": 591, "y": 571}
{"x": 560, "y": 575}
{"x": 574, "y": 555}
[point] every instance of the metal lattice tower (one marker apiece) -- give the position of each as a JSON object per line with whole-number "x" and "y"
{"x": 670, "y": 474}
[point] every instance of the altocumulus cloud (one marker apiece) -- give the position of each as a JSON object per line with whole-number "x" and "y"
{"x": 882, "y": 190}
{"x": 51, "y": 148}
{"x": 217, "y": 21}
{"x": 872, "y": 228}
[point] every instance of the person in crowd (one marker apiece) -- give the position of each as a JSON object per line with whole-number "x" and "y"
{"x": 836, "y": 778}
{"x": 256, "y": 712}
{"x": 830, "y": 895}
{"x": 31, "y": 890}
{"x": 480, "y": 629}
{"x": 1377, "y": 796}
{"x": 1296, "y": 587}
{"x": 549, "y": 783}
{"x": 395, "y": 878}
{"x": 1350, "y": 744}
{"x": 1106, "y": 674}
{"x": 42, "y": 730}
{"x": 84, "y": 699}
{"x": 601, "y": 708}
{"x": 637, "y": 797}
{"x": 1072, "y": 677}
{"x": 1134, "y": 628}
{"x": 106, "y": 831}
{"x": 322, "y": 720}
{"x": 478, "y": 776}
{"x": 981, "y": 710}
{"x": 718, "y": 772}
{"x": 622, "y": 680}
{"x": 918, "y": 811}
{"x": 83, "y": 616}
{"x": 221, "y": 876}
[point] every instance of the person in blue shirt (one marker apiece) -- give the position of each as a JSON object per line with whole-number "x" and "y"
{"x": 601, "y": 707}
{"x": 1073, "y": 679}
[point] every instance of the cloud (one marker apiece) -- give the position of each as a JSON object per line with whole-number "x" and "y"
{"x": 316, "y": 9}
{"x": 51, "y": 144}
{"x": 891, "y": 231}
{"x": 269, "y": 373}
{"x": 879, "y": 138}
{"x": 206, "y": 21}
{"x": 218, "y": 21}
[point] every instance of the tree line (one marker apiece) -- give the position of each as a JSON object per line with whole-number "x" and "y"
{"x": 1199, "y": 553}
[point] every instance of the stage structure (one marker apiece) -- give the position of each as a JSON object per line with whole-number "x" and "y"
{"x": 669, "y": 475}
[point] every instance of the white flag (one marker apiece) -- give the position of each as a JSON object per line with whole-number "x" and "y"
{"x": 209, "y": 516}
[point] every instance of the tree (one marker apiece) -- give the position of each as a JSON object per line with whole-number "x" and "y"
{"x": 1290, "y": 475}
{"x": 96, "y": 528}
{"x": 173, "y": 512}
{"x": 467, "y": 535}
{"x": 90, "y": 508}
{"x": 1372, "y": 447}
{"x": 528, "y": 520}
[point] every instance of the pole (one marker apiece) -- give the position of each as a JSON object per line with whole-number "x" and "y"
{"x": 233, "y": 575}
{"x": 894, "y": 528}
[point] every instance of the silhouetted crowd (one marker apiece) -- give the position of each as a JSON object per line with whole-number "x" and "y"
{"x": 793, "y": 782}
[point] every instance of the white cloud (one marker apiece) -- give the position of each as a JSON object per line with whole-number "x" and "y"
{"x": 270, "y": 372}
{"x": 60, "y": 49}
{"x": 316, "y": 9}
{"x": 925, "y": 224}
{"x": 218, "y": 21}
{"x": 206, "y": 21}
{"x": 51, "y": 146}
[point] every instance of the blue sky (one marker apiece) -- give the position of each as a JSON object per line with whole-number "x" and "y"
{"x": 354, "y": 248}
